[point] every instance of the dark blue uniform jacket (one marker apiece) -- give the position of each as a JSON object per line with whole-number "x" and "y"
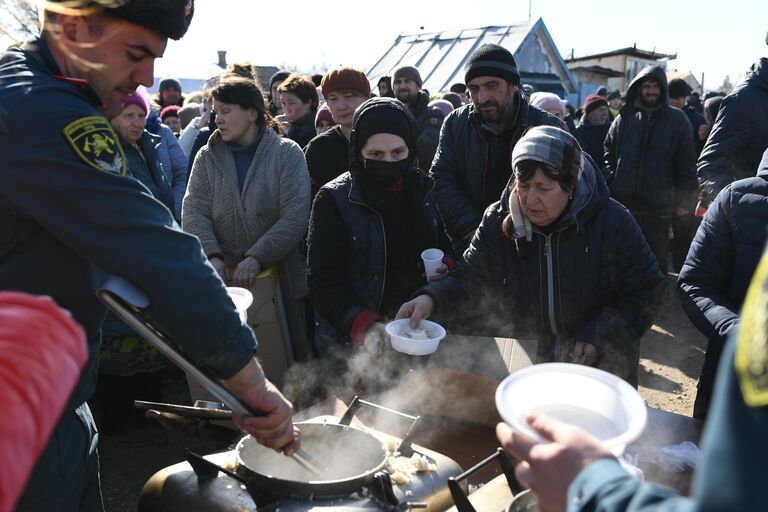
{"x": 69, "y": 215}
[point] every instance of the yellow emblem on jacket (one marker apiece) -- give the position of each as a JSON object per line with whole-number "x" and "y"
{"x": 96, "y": 144}
{"x": 751, "y": 359}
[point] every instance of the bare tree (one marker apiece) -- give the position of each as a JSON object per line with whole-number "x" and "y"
{"x": 19, "y": 19}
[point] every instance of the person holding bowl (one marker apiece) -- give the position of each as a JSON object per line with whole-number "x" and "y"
{"x": 559, "y": 260}
{"x": 369, "y": 227}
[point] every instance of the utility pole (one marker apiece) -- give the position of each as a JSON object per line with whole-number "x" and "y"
{"x": 529, "y": 10}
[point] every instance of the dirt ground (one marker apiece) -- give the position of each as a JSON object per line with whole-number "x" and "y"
{"x": 671, "y": 356}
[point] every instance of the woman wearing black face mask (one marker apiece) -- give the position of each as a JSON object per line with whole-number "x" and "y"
{"x": 368, "y": 229}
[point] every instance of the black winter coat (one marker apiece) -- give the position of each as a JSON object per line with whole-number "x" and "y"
{"x": 650, "y": 163}
{"x": 740, "y": 134}
{"x": 460, "y": 166}
{"x": 696, "y": 119}
{"x": 593, "y": 278}
{"x": 722, "y": 259}
{"x": 303, "y": 129}
{"x": 347, "y": 260}
{"x": 592, "y": 139}
{"x": 428, "y": 123}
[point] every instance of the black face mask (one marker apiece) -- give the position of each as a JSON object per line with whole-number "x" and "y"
{"x": 385, "y": 174}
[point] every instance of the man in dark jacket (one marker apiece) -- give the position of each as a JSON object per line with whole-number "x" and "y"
{"x": 684, "y": 226}
{"x": 740, "y": 134}
{"x": 169, "y": 93}
{"x": 720, "y": 264}
{"x": 593, "y": 127}
{"x": 407, "y": 84}
{"x": 472, "y": 163}
{"x": 650, "y": 163}
{"x": 679, "y": 92}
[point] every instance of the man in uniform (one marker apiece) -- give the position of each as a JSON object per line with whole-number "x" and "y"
{"x": 573, "y": 471}
{"x": 70, "y": 216}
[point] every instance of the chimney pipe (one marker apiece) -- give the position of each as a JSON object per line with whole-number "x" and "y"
{"x": 222, "y": 59}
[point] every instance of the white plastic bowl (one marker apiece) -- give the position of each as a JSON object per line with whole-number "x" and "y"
{"x": 242, "y": 299}
{"x": 410, "y": 346}
{"x": 600, "y": 403}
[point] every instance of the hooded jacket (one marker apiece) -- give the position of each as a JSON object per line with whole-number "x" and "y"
{"x": 650, "y": 162}
{"x": 593, "y": 278}
{"x": 460, "y": 168}
{"x": 722, "y": 259}
{"x": 347, "y": 257}
{"x": 740, "y": 134}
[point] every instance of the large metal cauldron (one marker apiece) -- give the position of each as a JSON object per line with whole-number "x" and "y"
{"x": 351, "y": 456}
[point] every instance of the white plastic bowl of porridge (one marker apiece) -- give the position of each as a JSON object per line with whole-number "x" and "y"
{"x": 416, "y": 342}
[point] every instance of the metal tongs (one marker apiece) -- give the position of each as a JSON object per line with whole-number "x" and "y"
{"x": 127, "y": 301}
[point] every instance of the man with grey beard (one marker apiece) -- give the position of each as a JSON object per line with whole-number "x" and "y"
{"x": 472, "y": 165}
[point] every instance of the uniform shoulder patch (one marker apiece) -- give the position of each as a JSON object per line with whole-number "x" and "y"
{"x": 751, "y": 359}
{"x": 96, "y": 144}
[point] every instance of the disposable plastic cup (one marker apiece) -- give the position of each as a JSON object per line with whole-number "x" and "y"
{"x": 242, "y": 299}
{"x": 433, "y": 259}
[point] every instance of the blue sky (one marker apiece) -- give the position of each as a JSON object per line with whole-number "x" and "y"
{"x": 717, "y": 38}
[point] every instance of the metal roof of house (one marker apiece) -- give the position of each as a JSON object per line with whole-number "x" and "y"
{"x": 632, "y": 51}
{"x": 599, "y": 70}
{"x": 440, "y": 56}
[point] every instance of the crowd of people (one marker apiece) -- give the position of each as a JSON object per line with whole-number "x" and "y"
{"x": 555, "y": 223}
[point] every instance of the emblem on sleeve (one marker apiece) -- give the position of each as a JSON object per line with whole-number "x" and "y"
{"x": 96, "y": 144}
{"x": 752, "y": 345}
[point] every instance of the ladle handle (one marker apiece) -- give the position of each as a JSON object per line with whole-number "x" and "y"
{"x": 130, "y": 314}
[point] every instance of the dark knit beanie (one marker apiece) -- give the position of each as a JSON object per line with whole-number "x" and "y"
{"x": 345, "y": 78}
{"x": 614, "y": 95}
{"x": 170, "y": 18}
{"x": 454, "y": 98}
{"x": 409, "y": 72}
{"x": 383, "y": 115}
{"x": 169, "y": 111}
{"x": 167, "y": 82}
{"x": 592, "y": 102}
{"x": 602, "y": 91}
{"x": 280, "y": 76}
{"x": 679, "y": 88}
{"x": 458, "y": 88}
{"x": 492, "y": 60}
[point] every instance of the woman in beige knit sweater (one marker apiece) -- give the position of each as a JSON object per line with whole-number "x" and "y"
{"x": 248, "y": 200}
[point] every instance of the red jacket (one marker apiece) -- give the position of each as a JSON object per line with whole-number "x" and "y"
{"x": 42, "y": 350}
